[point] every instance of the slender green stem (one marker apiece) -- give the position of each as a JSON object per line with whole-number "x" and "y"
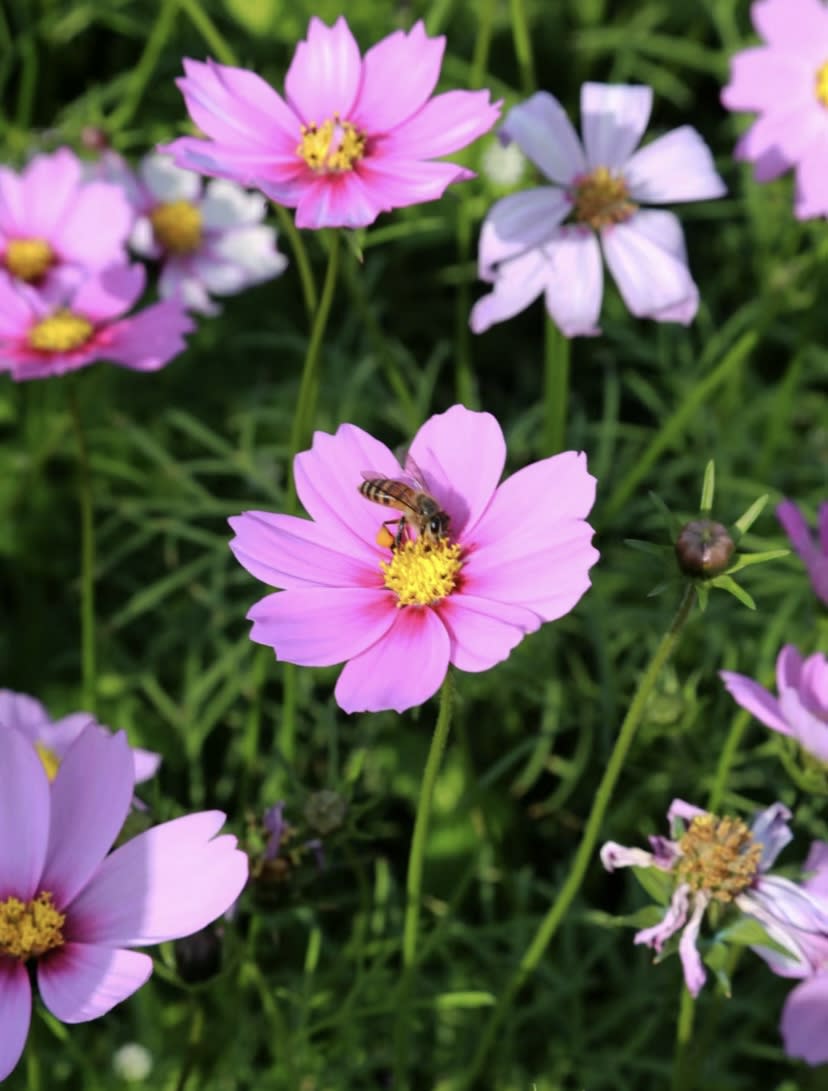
{"x": 555, "y": 389}
{"x": 726, "y": 759}
{"x": 142, "y": 72}
{"x": 682, "y": 1067}
{"x": 586, "y": 849}
{"x": 523, "y": 47}
{"x": 193, "y": 1045}
{"x": 87, "y": 561}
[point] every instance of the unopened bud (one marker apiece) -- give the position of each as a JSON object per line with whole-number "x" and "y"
{"x": 704, "y": 548}
{"x": 198, "y": 957}
{"x": 325, "y": 811}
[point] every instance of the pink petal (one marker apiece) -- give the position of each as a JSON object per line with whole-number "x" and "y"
{"x": 613, "y": 120}
{"x": 822, "y": 522}
{"x": 673, "y": 919}
{"x": 60, "y": 735}
{"x": 817, "y": 865}
{"x": 22, "y": 712}
{"x": 398, "y": 183}
{"x": 788, "y": 668}
{"x": 15, "y": 1013}
{"x": 462, "y": 455}
{"x": 811, "y": 192}
{"x": 82, "y": 981}
{"x": 756, "y": 700}
{"x": 794, "y": 524}
{"x": 12, "y": 204}
{"x": 517, "y": 285}
{"x": 676, "y": 167}
{"x": 764, "y": 79}
{"x": 163, "y": 884}
{"x": 287, "y": 552}
{"x": 809, "y": 728}
{"x": 575, "y": 282}
{"x": 337, "y": 200}
{"x": 446, "y": 123}
{"x": 804, "y": 1019}
{"x": 96, "y": 230}
{"x": 320, "y": 626}
{"x": 325, "y": 73}
{"x": 90, "y": 798}
{"x": 798, "y": 25}
{"x": 647, "y": 259}
{"x": 403, "y": 669}
{"x": 50, "y": 184}
{"x": 247, "y": 165}
{"x": 517, "y": 223}
{"x": 545, "y": 135}
{"x": 384, "y": 99}
{"x": 24, "y": 817}
{"x": 779, "y": 139}
{"x": 814, "y": 684}
{"x": 482, "y": 632}
{"x": 150, "y": 339}
{"x": 146, "y": 764}
{"x": 110, "y": 292}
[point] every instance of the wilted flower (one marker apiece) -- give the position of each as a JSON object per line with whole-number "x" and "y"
{"x": 801, "y": 709}
{"x": 721, "y": 864}
{"x": 512, "y": 557}
{"x": 786, "y": 82}
{"x": 74, "y": 911}
{"x": 353, "y": 137}
{"x": 51, "y": 333}
{"x": 55, "y": 225}
{"x": 210, "y": 241}
{"x": 525, "y": 247}
{"x": 814, "y": 552}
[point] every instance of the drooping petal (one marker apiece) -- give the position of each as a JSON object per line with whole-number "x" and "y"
{"x": 676, "y": 167}
{"x": 82, "y": 981}
{"x": 694, "y": 972}
{"x": 613, "y": 120}
{"x": 90, "y": 800}
{"x": 150, "y": 339}
{"x": 575, "y": 282}
{"x": 770, "y": 827}
{"x": 24, "y": 817}
{"x": 756, "y": 699}
{"x": 804, "y": 1019}
{"x": 615, "y": 856}
{"x": 325, "y": 73}
{"x": 165, "y": 883}
{"x": 384, "y": 100}
{"x": 320, "y": 626}
{"x": 673, "y": 919}
{"x": 683, "y": 811}
{"x": 403, "y": 669}
{"x": 15, "y": 1013}
{"x": 545, "y": 135}
{"x": 517, "y": 285}
{"x": 445, "y": 124}
{"x": 483, "y": 632}
{"x": 794, "y": 919}
{"x": 518, "y": 223}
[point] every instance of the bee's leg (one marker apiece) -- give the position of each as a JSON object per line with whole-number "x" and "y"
{"x": 401, "y": 525}
{"x": 385, "y": 538}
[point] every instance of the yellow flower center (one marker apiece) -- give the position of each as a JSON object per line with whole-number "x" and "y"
{"x": 177, "y": 226}
{"x": 29, "y": 929}
{"x": 60, "y": 332}
{"x": 821, "y": 82}
{"x": 29, "y": 259}
{"x": 602, "y": 198}
{"x": 422, "y": 573}
{"x": 50, "y": 760}
{"x": 331, "y": 148}
{"x": 719, "y": 856}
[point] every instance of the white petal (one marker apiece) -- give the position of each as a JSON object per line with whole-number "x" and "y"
{"x": 228, "y": 205}
{"x": 253, "y": 249}
{"x": 167, "y": 182}
{"x": 142, "y": 239}
{"x": 575, "y": 282}
{"x": 676, "y": 167}
{"x": 545, "y": 134}
{"x": 613, "y": 120}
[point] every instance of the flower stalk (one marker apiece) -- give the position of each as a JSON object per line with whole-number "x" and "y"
{"x": 87, "y": 575}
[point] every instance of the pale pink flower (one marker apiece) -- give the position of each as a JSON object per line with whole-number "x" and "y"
{"x": 801, "y": 708}
{"x": 55, "y": 224}
{"x": 73, "y": 911}
{"x": 525, "y": 247}
{"x": 516, "y": 555}
{"x": 353, "y": 136}
{"x": 812, "y": 550}
{"x": 785, "y": 81}
{"x": 63, "y": 329}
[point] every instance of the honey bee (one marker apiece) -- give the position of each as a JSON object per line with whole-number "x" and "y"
{"x": 418, "y": 507}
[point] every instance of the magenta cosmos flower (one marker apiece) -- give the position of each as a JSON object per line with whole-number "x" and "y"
{"x": 800, "y": 710}
{"x": 54, "y": 224}
{"x": 353, "y": 136}
{"x": 514, "y": 555}
{"x": 786, "y": 82}
{"x": 526, "y": 248}
{"x": 722, "y": 861}
{"x": 52, "y": 332}
{"x": 73, "y": 911}
{"x": 813, "y": 551}
{"x": 52, "y": 738}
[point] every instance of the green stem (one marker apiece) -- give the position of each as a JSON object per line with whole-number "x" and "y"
{"x": 147, "y": 63}
{"x": 726, "y": 759}
{"x": 682, "y": 1069}
{"x": 193, "y": 1045}
{"x": 586, "y": 849}
{"x": 523, "y": 47}
{"x": 87, "y": 561}
{"x": 555, "y": 389}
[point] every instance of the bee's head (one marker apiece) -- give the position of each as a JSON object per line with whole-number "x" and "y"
{"x": 437, "y": 526}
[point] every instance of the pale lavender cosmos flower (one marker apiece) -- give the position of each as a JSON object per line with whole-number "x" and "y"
{"x": 785, "y": 81}
{"x": 813, "y": 551}
{"x": 801, "y": 708}
{"x": 52, "y": 738}
{"x": 209, "y": 240}
{"x": 721, "y": 860}
{"x": 73, "y": 911}
{"x": 526, "y": 248}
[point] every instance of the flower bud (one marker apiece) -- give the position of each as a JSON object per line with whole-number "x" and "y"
{"x": 703, "y": 548}
{"x": 198, "y": 957}
{"x": 325, "y": 811}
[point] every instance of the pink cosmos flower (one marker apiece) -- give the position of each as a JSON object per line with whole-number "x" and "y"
{"x": 786, "y": 82}
{"x": 515, "y": 555}
{"x": 353, "y": 136}
{"x": 63, "y": 329}
{"x": 800, "y": 710}
{"x": 814, "y": 552}
{"x": 52, "y": 738}
{"x": 525, "y": 247}
{"x": 74, "y": 911}
{"x": 54, "y": 225}
{"x": 721, "y": 860}
{"x": 209, "y": 241}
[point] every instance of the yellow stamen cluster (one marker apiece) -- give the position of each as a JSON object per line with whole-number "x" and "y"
{"x": 719, "y": 856}
{"x": 29, "y": 929}
{"x": 28, "y": 259}
{"x": 821, "y": 84}
{"x": 60, "y": 332}
{"x": 602, "y": 198}
{"x": 50, "y": 760}
{"x": 420, "y": 573}
{"x": 331, "y": 148}
{"x": 177, "y": 226}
